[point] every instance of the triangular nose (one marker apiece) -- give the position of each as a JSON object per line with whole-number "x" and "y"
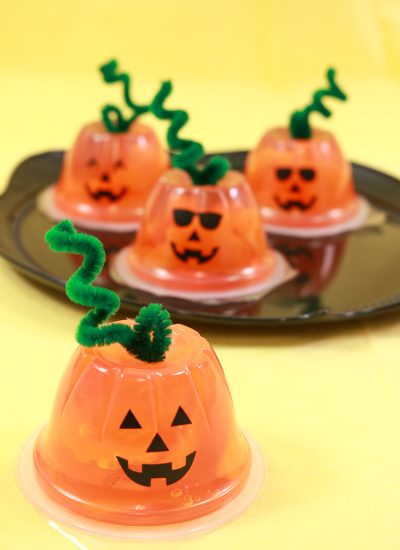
{"x": 194, "y": 236}
{"x": 157, "y": 445}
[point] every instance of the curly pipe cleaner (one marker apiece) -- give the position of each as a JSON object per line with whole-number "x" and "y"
{"x": 150, "y": 337}
{"x": 112, "y": 116}
{"x": 299, "y": 121}
{"x": 187, "y": 153}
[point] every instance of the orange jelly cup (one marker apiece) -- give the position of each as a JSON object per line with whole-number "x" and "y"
{"x": 199, "y": 241}
{"x": 137, "y": 443}
{"x": 106, "y": 177}
{"x": 304, "y": 186}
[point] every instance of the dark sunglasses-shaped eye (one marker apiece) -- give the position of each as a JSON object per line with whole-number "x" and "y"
{"x": 307, "y": 174}
{"x": 183, "y": 217}
{"x": 283, "y": 173}
{"x": 210, "y": 220}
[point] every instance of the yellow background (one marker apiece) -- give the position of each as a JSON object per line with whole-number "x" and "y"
{"x": 322, "y": 402}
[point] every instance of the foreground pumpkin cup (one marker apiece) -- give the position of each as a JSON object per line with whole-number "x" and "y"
{"x": 201, "y": 242}
{"x": 304, "y": 186}
{"x": 138, "y": 443}
{"x": 106, "y": 177}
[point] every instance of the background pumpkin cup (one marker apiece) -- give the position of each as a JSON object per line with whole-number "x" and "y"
{"x": 201, "y": 236}
{"x": 112, "y": 166}
{"x": 201, "y": 242}
{"x": 301, "y": 179}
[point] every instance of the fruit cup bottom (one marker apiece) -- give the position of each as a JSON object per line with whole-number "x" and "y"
{"x": 55, "y": 512}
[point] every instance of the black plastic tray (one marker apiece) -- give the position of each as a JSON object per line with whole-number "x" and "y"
{"x": 342, "y": 278}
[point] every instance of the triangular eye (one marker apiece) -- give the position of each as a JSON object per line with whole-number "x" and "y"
{"x": 129, "y": 422}
{"x": 181, "y": 418}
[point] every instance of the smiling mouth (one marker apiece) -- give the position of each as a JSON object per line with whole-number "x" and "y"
{"x": 153, "y": 471}
{"x": 106, "y": 194}
{"x": 190, "y": 253}
{"x": 300, "y": 205}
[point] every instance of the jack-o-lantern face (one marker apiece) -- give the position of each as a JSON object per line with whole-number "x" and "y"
{"x": 105, "y": 183}
{"x": 301, "y": 182}
{"x": 143, "y": 443}
{"x": 206, "y": 220}
{"x": 107, "y": 176}
{"x": 201, "y": 237}
{"x": 157, "y": 445}
{"x": 296, "y": 193}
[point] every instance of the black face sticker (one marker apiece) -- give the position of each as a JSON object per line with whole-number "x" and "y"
{"x": 181, "y": 418}
{"x": 208, "y": 220}
{"x": 153, "y": 471}
{"x": 130, "y": 422}
{"x": 291, "y": 204}
{"x": 283, "y": 173}
{"x": 157, "y": 445}
{"x": 307, "y": 174}
{"x": 188, "y": 253}
{"x": 302, "y": 175}
{"x": 106, "y": 194}
{"x": 101, "y": 191}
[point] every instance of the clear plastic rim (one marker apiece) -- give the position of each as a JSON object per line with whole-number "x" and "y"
{"x": 357, "y": 222}
{"x": 46, "y": 205}
{"x": 281, "y": 273}
{"x": 31, "y": 489}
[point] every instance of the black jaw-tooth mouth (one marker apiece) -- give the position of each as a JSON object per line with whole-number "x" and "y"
{"x": 153, "y": 471}
{"x": 288, "y": 205}
{"x": 191, "y": 253}
{"x": 106, "y": 193}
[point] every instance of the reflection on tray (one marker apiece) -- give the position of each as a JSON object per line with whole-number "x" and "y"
{"x": 316, "y": 260}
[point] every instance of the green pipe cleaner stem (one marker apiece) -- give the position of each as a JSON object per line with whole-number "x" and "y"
{"x": 150, "y": 337}
{"x": 187, "y": 154}
{"x": 299, "y": 120}
{"x": 113, "y": 118}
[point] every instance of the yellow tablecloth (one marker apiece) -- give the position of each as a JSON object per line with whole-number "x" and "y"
{"x": 322, "y": 402}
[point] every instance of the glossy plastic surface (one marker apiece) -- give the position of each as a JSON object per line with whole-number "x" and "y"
{"x": 201, "y": 237}
{"x": 106, "y": 177}
{"x": 316, "y": 262}
{"x": 143, "y": 444}
{"x": 304, "y": 183}
{"x": 374, "y": 251}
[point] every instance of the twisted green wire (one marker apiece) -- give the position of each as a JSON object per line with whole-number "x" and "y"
{"x": 299, "y": 120}
{"x": 112, "y": 116}
{"x": 150, "y": 337}
{"x": 186, "y": 153}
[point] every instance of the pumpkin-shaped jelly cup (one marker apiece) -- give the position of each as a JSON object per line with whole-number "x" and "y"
{"x": 106, "y": 177}
{"x": 201, "y": 242}
{"x": 141, "y": 444}
{"x": 304, "y": 186}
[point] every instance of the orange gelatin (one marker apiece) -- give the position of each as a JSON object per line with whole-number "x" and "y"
{"x": 302, "y": 183}
{"x": 107, "y": 176}
{"x": 139, "y": 443}
{"x": 200, "y": 238}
